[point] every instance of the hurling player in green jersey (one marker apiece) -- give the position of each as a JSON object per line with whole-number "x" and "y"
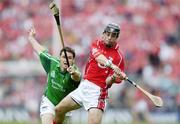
{"x": 61, "y": 79}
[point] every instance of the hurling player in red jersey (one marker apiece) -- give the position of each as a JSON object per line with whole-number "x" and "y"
{"x": 104, "y": 67}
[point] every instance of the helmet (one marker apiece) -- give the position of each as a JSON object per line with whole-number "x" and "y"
{"x": 113, "y": 28}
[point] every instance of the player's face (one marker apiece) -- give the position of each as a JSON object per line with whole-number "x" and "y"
{"x": 63, "y": 61}
{"x": 110, "y": 38}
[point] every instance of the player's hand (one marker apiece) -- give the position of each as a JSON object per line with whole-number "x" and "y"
{"x": 116, "y": 69}
{"x": 32, "y": 33}
{"x": 122, "y": 76}
{"x": 71, "y": 70}
{"x": 118, "y": 72}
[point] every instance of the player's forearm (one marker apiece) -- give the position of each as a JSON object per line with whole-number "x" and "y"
{"x": 36, "y": 46}
{"x": 110, "y": 80}
{"x": 101, "y": 59}
{"x": 104, "y": 61}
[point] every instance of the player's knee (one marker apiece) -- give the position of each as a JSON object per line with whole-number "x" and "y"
{"x": 59, "y": 110}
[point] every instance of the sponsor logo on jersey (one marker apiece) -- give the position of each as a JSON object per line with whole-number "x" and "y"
{"x": 57, "y": 86}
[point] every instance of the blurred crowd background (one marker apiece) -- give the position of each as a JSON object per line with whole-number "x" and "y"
{"x": 149, "y": 40}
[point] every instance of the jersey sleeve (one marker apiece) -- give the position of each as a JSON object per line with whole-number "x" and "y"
{"x": 95, "y": 49}
{"x": 45, "y": 59}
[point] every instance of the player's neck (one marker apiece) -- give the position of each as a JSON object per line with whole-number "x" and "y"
{"x": 63, "y": 69}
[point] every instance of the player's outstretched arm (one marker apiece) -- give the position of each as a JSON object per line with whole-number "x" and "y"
{"x": 36, "y": 46}
{"x": 111, "y": 79}
{"x": 101, "y": 59}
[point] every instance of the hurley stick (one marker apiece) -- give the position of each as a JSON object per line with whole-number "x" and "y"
{"x": 55, "y": 12}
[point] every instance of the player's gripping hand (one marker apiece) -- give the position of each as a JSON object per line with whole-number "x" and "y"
{"x": 121, "y": 76}
{"x": 75, "y": 75}
{"x": 71, "y": 70}
{"x": 116, "y": 69}
{"x": 118, "y": 73}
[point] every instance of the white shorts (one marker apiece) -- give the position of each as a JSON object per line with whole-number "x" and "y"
{"x": 46, "y": 106}
{"x": 89, "y": 95}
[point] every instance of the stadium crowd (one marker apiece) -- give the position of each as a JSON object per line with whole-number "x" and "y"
{"x": 149, "y": 39}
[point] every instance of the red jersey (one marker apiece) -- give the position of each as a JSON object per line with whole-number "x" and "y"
{"x": 97, "y": 73}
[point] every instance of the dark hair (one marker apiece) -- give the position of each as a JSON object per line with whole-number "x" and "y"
{"x": 112, "y": 27}
{"x": 68, "y": 49}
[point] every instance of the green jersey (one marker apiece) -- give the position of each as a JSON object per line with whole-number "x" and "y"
{"x": 59, "y": 83}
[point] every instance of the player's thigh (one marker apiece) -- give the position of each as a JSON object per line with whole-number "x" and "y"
{"x": 47, "y": 118}
{"x": 66, "y": 105}
{"x": 95, "y": 116}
